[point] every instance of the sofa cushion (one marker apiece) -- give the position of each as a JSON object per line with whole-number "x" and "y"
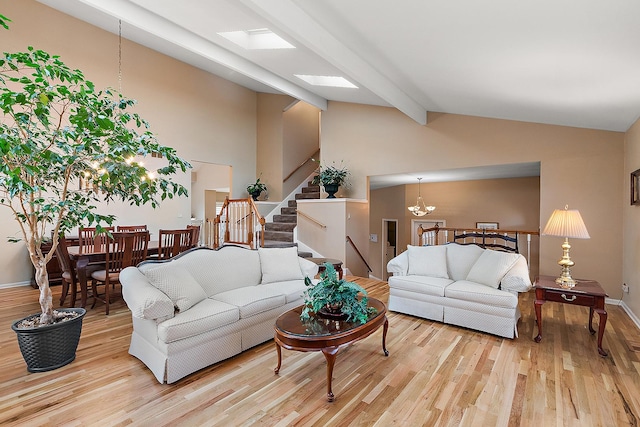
{"x": 203, "y": 317}
{"x": 177, "y": 283}
{"x": 291, "y": 289}
{"x": 227, "y": 268}
{"x": 420, "y": 284}
{"x": 474, "y": 292}
{"x": 428, "y": 261}
{"x": 491, "y": 267}
{"x": 279, "y": 264}
{"x": 460, "y": 259}
{"x": 517, "y": 278}
{"x": 252, "y": 300}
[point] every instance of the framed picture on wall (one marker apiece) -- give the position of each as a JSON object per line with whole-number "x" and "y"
{"x": 487, "y": 225}
{"x": 635, "y": 187}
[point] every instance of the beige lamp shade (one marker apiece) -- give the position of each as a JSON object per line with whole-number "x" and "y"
{"x": 566, "y": 223}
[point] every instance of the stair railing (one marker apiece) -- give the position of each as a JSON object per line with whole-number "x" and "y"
{"x": 238, "y": 222}
{"x": 310, "y": 158}
{"x": 312, "y": 219}
{"x": 353, "y": 245}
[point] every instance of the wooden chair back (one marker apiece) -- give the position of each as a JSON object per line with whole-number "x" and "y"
{"x": 195, "y": 237}
{"x": 89, "y": 241}
{"x": 142, "y": 227}
{"x": 173, "y": 242}
{"x": 126, "y": 249}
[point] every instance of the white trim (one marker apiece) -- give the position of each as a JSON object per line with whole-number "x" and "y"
{"x": 14, "y": 285}
{"x": 635, "y": 319}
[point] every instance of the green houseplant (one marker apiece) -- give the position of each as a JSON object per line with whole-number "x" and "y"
{"x": 56, "y": 132}
{"x": 256, "y": 189}
{"x": 331, "y": 177}
{"x": 335, "y": 298}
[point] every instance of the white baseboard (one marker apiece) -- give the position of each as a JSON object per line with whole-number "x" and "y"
{"x": 371, "y": 276}
{"x": 635, "y": 319}
{"x": 14, "y": 285}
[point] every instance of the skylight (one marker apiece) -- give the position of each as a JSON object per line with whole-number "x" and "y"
{"x": 261, "y": 38}
{"x": 332, "y": 81}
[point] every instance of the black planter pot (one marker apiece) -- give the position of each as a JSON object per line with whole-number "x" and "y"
{"x": 331, "y": 190}
{"x": 52, "y": 346}
{"x": 255, "y": 195}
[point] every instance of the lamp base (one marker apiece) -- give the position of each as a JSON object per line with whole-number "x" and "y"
{"x": 565, "y": 282}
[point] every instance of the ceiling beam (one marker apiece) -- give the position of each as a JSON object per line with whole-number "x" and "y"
{"x": 289, "y": 18}
{"x": 163, "y": 29}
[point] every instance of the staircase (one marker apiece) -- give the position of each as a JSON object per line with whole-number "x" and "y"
{"x": 279, "y": 233}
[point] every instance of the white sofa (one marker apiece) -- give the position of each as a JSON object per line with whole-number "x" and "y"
{"x": 462, "y": 285}
{"x": 207, "y": 305}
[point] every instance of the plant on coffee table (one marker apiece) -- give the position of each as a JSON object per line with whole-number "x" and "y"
{"x": 335, "y": 296}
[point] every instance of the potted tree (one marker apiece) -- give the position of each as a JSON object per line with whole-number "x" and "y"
{"x": 56, "y": 131}
{"x": 335, "y": 298}
{"x": 331, "y": 178}
{"x": 256, "y": 189}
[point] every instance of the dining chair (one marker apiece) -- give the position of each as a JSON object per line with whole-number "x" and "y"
{"x": 123, "y": 250}
{"x": 195, "y": 236}
{"x": 142, "y": 227}
{"x": 89, "y": 241}
{"x": 173, "y": 242}
{"x": 69, "y": 277}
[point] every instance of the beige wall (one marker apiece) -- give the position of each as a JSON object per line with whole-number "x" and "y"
{"x": 514, "y": 203}
{"x": 631, "y": 221}
{"x": 301, "y": 142}
{"x": 203, "y": 116}
{"x": 323, "y": 225}
{"x": 579, "y": 167}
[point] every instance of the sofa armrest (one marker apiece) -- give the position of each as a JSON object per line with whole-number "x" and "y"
{"x": 517, "y": 278}
{"x": 399, "y": 265}
{"x": 143, "y": 299}
{"x": 309, "y": 268}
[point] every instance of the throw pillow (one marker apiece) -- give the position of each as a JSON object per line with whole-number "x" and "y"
{"x": 279, "y": 264}
{"x": 491, "y": 267}
{"x": 178, "y": 284}
{"x": 428, "y": 261}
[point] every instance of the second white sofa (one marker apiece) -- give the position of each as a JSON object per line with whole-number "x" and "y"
{"x": 462, "y": 285}
{"x": 207, "y": 305}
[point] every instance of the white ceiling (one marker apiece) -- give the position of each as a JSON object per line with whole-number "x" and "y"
{"x": 571, "y": 62}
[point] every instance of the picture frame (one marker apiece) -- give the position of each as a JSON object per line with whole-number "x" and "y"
{"x": 635, "y": 187}
{"x": 487, "y": 225}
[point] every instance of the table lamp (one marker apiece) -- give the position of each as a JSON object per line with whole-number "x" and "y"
{"x": 566, "y": 223}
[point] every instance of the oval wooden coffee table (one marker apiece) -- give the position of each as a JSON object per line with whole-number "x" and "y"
{"x": 327, "y": 336}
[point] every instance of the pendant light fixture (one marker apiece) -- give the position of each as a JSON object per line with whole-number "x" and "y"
{"x": 420, "y": 209}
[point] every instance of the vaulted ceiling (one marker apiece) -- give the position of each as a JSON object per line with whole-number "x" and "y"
{"x": 573, "y": 62}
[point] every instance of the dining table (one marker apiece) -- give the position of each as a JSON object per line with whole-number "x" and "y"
{"x": 82, "y": 260}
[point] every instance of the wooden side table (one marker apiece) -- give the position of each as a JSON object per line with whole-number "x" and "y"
{"x": 586, "y": 293}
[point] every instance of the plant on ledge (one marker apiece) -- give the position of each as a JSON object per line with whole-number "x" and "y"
{"x": 65, "y": 146}
{"x": 335, "y": 298}
{"x": 330, "y": 177}
{"x": 256, "y": 189}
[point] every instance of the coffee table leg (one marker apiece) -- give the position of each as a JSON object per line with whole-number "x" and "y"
{"x": 603, "y": 322}
{"x": 279, "y": 350}
{"x": 330, "y": 355}
{"x": 384, "y": 336}
{"x": 538, "y": 307}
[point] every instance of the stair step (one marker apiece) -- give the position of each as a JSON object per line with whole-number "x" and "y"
{"x": 308, "y": 196}
{"x": 292, "y": 203}
{"x": 289, "y": 211}
{"x": 285, "y": 218}
{"x": 280, "y": 226}
{"x": 311, "y": 189}
{"x": 305, "y": 254}
{"x": 277, "y": 244}
{"x": 279, "y": 236}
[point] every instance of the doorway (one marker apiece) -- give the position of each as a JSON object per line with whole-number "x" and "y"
{"x": 389, "y": 243}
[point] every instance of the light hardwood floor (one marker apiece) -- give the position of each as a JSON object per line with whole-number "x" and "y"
{"x": 435, "y": 375}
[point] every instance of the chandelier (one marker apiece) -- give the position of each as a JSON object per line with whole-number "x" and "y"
{"x": 420, "y": 209}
